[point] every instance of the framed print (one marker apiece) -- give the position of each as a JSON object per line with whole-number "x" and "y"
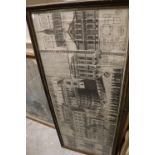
{"x": 36, "y": 102}
{"x": 82, "y": 53}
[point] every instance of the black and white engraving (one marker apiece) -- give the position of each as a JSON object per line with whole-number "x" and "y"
{"x": 84, "y": 54}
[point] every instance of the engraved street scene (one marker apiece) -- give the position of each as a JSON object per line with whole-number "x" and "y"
{"x": 84, "y": 55}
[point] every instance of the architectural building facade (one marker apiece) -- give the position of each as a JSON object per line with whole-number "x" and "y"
{"x": 84, "y": 65}
{"x": 84, "y": 30}
{"x": 58, "y": 29}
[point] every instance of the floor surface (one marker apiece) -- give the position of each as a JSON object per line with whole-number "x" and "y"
{"x": 43, "y": 140}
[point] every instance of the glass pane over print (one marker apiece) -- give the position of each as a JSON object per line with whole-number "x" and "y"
{"x": 36, "y": 102}
{"x": 84, "y": 54}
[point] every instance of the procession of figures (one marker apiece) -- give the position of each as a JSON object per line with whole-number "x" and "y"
{"x": 84, "y": 54}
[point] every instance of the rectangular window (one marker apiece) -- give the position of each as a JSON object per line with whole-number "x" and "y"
{"x": 91, "y": 37}
{"x": 89, "y": 62}
{"x": 89, "y": 58}
{"x": 91, "y": 46}
{"x": 68, "y": 82}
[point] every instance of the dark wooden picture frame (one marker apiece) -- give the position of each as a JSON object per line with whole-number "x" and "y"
{"x": 122, "y": 114}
